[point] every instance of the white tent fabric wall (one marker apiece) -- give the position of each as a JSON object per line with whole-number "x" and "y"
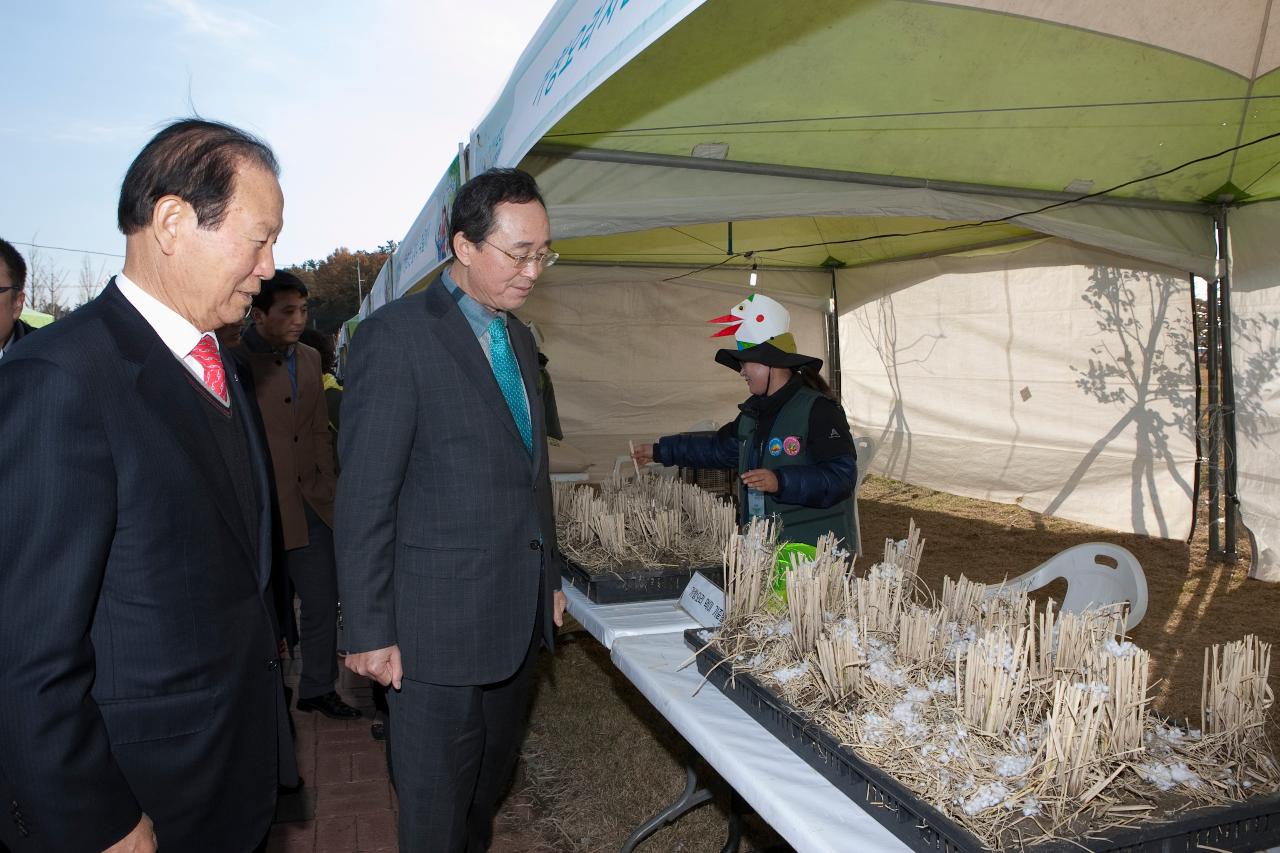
{"x": 1255, "y": 359}
{"x": 630, "y": 355}
{"x": 1058, "y": 378}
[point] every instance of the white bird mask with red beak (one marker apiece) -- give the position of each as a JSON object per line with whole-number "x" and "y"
{"x": 754, "y": 320}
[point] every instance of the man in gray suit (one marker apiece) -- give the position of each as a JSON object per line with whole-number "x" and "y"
{"x": 447, "y": 561}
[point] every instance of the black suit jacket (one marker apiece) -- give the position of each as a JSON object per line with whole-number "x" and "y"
{"x": 444, "y": 526}
{"x": 136, "y": 641}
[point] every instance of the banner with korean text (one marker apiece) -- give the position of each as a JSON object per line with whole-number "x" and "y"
{"x": 578, "y": 46}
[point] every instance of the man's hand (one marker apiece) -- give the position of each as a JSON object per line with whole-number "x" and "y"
{"x": 382, "y": 665}
{"x": 558, "y": 604}
{"x": 141, "y": 840}
{"x": 761, "y": 479}
{"x": 643, "y": 454}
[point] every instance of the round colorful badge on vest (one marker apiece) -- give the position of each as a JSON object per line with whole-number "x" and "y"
{"x": 775, "y": 447}
{"x": 791, "y": 445}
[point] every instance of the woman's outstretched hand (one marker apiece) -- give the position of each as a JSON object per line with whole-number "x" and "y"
{"x": 643, "y": 454}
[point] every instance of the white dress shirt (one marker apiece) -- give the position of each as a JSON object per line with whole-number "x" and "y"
{"x": 178, "y": 335}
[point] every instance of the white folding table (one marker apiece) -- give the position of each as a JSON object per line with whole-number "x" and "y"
{"x": 646, "y": 643}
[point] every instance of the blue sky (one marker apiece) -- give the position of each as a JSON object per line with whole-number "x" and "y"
{"x": 364, "y": 103}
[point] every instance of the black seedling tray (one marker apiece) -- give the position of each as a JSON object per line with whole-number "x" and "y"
{"x": 635, "y": 583}
{"x": 1248, "y": 826}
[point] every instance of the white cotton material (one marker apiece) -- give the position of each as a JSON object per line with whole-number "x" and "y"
{"x": 1096, "y": 687}
{"x": 907, "y": 714}
{"x": 1008, "y": 766}
{"x": 845, "y": 627}
{"x": 1120, "y": 650}
{"x": 1167, "y": 776}
{"x": 946, "y": 686}
{"x": 991, "y": 794}
{"x": 884, "y": 571}
{"x": 917, "y": 694}
{"x": 876, "y": 729}
{"x": 960, "y": 642}
{"x": 882, "y": 672}
{"x": 1031, "y": 807}
{"x": 1004, "y": 655}
{"x": 1028, "y": 742}
{"x": 787, "y": 673}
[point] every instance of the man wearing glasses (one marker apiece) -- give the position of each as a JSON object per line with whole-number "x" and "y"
{"x": 13, "y": 281}
{"x": 448, "y": 567}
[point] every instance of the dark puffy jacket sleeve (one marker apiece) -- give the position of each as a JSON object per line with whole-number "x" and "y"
{"x": 821, "y": 484}
{"x": 700, "y": 451}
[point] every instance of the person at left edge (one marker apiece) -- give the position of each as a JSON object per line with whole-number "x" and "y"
{"x": 142, "y": 703}
{"x": 13, "y": 282}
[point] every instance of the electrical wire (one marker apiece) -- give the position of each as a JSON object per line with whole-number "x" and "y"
{"x": 999, "y": 220}
{"x": 66, "y": 249}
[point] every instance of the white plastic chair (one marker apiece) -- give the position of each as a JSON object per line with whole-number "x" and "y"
{"x": 866, "y": 450}
{"x": 1091, "y": 579}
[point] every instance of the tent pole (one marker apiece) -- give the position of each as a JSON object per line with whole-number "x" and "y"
{"x": 1198, "y": 476}
{"x": 833, "y": 340}
{"x": 1214, "y": 449}
{"x": 1230, "y": 502}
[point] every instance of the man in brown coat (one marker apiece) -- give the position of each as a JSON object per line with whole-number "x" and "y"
{"x": 286, "y": 376}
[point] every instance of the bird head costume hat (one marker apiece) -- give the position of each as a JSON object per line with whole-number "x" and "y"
{"x": 760, "y": 327}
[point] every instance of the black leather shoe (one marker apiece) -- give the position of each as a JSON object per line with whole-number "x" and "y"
{"x": 378, "y": 731}
{"x": 331, "y": 705}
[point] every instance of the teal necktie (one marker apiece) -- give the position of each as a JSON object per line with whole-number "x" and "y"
{"x": 507, "y": 372}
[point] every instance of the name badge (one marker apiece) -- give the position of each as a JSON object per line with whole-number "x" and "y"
{"x": 703, "y": 600}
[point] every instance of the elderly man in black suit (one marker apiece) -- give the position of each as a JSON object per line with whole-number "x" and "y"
{"x": 447, "y": 559}
{"x": 142, "y": 702}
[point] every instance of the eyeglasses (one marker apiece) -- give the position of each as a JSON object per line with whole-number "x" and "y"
{"x": 542, "y": 259}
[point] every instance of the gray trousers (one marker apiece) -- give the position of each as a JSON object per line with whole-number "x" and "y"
{"x": 452, "y": 751}
{"x": 314, "y": 575}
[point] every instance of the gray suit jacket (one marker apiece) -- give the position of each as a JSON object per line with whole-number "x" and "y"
{"x": 444, "y": 527}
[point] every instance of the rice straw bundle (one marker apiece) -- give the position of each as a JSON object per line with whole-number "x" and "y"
{"x": 961, "y": 599}
{"x": 991, "y": 677}
{"x": 664, "y": 522}
{"x": 841, "y": 665}
{"x": 1234, "y": 691}
{"x": 1073, "y": 745}
{"x": 877, "y": 601}
{"x": 805, "y": 588}
{"x": 748, "y": 570}
{"x": 905, "y": 554}
{"x": 920, "y": 636}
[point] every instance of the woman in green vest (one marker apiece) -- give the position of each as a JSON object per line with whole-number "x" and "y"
{"x": 790, "y": 442}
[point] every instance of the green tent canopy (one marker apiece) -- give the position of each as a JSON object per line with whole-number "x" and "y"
{"x": 918, "y": 178}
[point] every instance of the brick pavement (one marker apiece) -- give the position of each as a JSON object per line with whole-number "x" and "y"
{"x": 347, "y": 804}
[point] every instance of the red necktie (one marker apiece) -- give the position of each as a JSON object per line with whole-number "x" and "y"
{"x": 215, "y": 375}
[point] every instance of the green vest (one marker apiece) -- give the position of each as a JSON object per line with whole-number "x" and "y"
{"x": 788, "y": 444}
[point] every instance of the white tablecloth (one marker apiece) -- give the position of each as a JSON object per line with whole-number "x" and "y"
{"x": 608, "y": 622}
{"x": 797, "y": 802}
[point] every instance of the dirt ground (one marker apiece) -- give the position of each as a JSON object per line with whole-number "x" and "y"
{"x": 599, "y": 760}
